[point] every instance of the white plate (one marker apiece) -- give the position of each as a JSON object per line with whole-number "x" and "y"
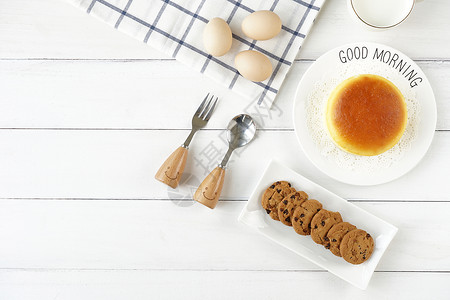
{"x": 337, "y": 59}
{"x": 255, "y": 216}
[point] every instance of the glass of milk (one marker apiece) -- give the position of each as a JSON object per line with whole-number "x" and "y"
{"x": 381, "y": 14}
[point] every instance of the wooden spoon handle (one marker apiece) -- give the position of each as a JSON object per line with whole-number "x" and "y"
{"x": 208, "y": 192}
{"x": 171, "y": 170}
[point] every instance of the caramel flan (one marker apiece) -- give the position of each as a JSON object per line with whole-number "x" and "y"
{"x": 366, "y": 115}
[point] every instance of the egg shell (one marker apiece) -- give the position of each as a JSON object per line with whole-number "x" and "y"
{"x": 261, "y": 25}
{"x": 217, "y": 37}
{"x": 253, "y": 65}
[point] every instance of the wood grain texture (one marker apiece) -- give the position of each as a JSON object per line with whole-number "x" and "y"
{"x": 143, "y": 285}
{"x": 82, "y": 109}
{"x": 56, "y": 30}
{"x": 172, "y": 168}
{"x": 209, "y": 191}
{"x": 147, "y": 94}
{"x": 121, "y": 164}
{"x": 185, "y": 235}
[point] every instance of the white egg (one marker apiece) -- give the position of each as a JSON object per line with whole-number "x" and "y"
{"x": 217, "y": 37}
{"x": 253, "y": 65}
{"x": 261, "y": 25}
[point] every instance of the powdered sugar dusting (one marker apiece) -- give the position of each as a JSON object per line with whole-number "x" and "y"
{"x": 316, "y": 123}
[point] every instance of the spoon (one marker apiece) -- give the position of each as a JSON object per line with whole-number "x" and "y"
{"x": 241, "y": 131}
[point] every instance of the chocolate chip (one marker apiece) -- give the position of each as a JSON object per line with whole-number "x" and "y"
{"x": 285, "y": 202}
{"x": 301, "y": 222}
{"x": 278, "y": 190}
{"x": 268, "y": 211}
{"x": 295, "y": 219}
{"x": 302, "y": 215}
{"x": 323, "y": 223}
{"x": 334, "y": 240}
{"x": 289, "y": 184}
{"x": 368, "y": 235}
{"x": 288, "y": 219}
{"x": 327, "y": 246}
{"x": 277, "y": 182}
{"x": 315, "y": 227}
{"x": 326, "y": 239}
{"x": 285, "y": 212}
{"x": 364, "y": 256}
{"x": 318, "y": 209}
{"x": 272, "y": 186}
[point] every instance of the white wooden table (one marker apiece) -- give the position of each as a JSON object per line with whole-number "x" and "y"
{"x": 88, "y": 114}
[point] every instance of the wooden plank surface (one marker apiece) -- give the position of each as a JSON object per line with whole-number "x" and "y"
{"x": 121, "y": 164}
{"x": 174, "y": 235}
{"x": 54, "y": 29}
{"x": 138, "y": 284}
{"x": 129, "y": 94}
{"x": 84, "y": 125}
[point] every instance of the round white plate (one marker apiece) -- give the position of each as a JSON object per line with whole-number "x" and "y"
{"x": 371, "y": 53}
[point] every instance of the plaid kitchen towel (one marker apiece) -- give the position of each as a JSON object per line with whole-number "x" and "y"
{"x": 176, "y": 28}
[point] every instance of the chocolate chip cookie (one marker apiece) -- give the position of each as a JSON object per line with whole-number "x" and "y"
{"x": 303, "y": 214}
{"x": 273, "y": 196}
{"x": 335, "y": 235}
{"x": 321, "y": 223}
{"x": 357, "y": 246}
{"x": 288, "y": 204}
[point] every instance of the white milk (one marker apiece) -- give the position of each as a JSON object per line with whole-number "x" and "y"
{"x": 383, "y": 13}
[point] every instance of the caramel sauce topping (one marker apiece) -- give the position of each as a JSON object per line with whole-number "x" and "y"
{"x": 369, "y": 113}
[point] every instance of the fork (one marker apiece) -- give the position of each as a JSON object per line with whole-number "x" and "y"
{"x": 171, "y": 170}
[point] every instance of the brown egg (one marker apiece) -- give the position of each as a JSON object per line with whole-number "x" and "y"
{"x": 253, "y": 65}
{"x": 217, "y": 37}
{"x": 261, "y": 25}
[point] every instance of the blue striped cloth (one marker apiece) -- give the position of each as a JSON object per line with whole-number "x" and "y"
{"x": 176, "y": 28}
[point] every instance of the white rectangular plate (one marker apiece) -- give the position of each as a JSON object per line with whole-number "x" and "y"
{"x": 255, "y": 216}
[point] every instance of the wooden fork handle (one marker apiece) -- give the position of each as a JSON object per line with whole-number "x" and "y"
{"x": 208, "y": 192}
{"x": 171, "y": 170}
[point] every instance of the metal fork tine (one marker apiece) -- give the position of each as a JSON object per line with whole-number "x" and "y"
{"x": 202, "y": 106}
{"x": 211, "y": 110}
{"x": 202, "y": 115}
